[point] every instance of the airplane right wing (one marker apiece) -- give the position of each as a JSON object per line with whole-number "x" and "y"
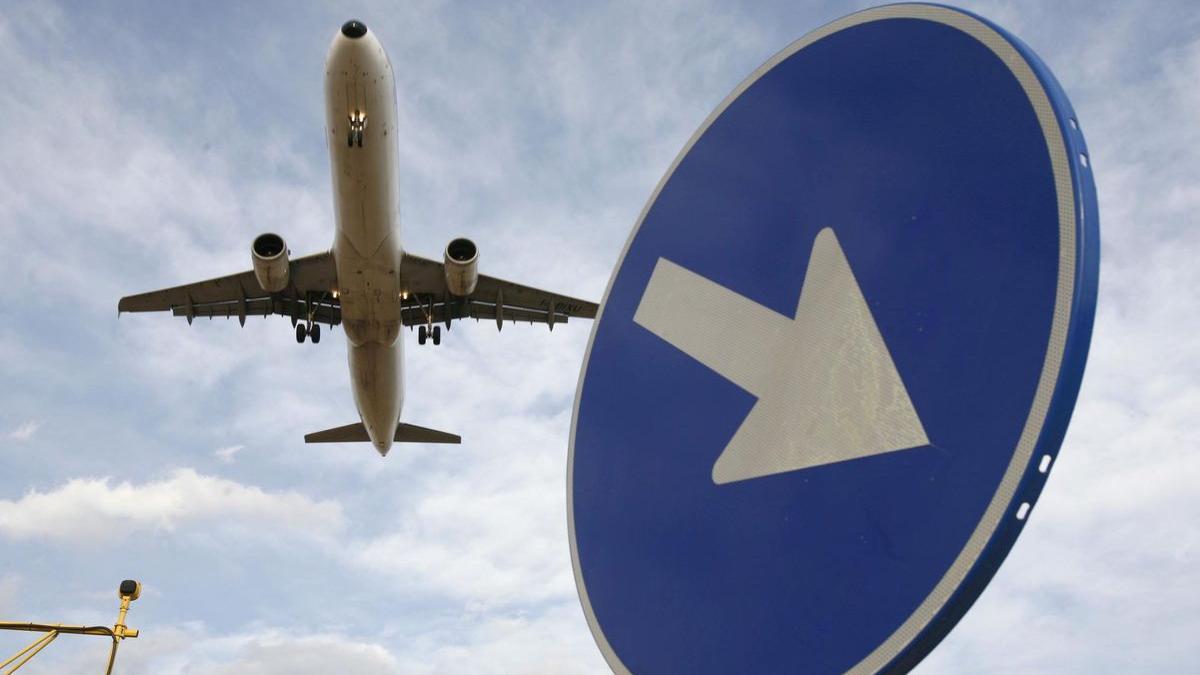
{"x": 312, "y": 280}
{"x": 496, "y": 299}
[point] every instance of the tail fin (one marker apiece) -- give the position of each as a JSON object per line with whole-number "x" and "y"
{"x": 405, "y": 433}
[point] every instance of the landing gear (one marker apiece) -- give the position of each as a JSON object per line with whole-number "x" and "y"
{"x": 358, "y": 123}
{"x": 425, "y": 333}
{"x": 426, "y": 330}
{"x": 309, "y": 326}
{"x": 313, "y": 331}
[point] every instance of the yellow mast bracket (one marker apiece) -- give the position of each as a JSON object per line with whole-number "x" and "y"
{"x": 129, "y": 591}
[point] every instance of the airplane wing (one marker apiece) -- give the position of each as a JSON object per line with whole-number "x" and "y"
{"x": 312, "y": 280}
{"x": 496, "y": 299}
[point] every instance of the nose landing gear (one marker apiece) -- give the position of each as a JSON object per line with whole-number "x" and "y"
{"x": 358, "y": 124}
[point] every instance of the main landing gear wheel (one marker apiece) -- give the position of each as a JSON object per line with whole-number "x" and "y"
{"x": 437, "y": 335}
{"x": 421, "y": 335}
{"x": 313, "y": 331}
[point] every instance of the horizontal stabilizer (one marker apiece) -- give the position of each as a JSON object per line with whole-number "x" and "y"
{"x": 357, "y": 433}
{"x": 411, "y": 433}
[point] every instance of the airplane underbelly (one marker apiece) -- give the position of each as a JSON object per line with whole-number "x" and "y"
{"x": 360, "y": 101}
{"x": 367, "y": 245}
{"x": 378, "y": 384}
{"x": 369, "y": 293}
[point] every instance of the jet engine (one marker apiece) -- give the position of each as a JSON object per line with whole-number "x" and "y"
{"x": 461, "y": 267}
{"x": 270, "y": 256}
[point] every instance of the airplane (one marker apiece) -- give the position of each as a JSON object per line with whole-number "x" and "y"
{"x": 366, "y": 282}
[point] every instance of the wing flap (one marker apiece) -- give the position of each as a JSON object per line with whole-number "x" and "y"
{"x": 525, "y": 297}
{"x": 416, "y": 315}
{"x": 311, "y": 282}
{"x": 311, "y": 274}
{"x": 424, "y": 281}
{"x": 323, "y": 312}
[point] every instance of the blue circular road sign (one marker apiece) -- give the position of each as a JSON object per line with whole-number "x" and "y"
{"x": 837, "y": 356}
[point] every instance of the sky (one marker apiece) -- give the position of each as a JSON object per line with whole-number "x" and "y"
{"x": 146, "y": 145}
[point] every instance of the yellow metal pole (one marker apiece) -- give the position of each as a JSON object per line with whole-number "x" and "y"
{"x": 129, "y": 591}
{"x": 112, "y": 656}
{"x": 45, "y": 638}
{"x": 62, "y": 629}
{"x": 119, "y": 629}
{"x": 37, "y": 646}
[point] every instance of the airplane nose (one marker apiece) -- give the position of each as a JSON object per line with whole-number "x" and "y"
{"x": 354, "y": 29}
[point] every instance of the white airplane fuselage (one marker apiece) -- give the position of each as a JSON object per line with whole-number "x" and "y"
{"x": 366, "y": 281}
{"x": 360, "y": 92}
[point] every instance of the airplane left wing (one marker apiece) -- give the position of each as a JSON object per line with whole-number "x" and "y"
{"x": 311, "y": 281}
{"x": 496, "y": 299}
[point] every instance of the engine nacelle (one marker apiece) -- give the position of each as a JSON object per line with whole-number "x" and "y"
{"x": 461, "y": 267}
{"x": 270, "y": 256}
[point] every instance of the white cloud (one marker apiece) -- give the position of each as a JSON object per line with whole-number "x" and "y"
{"x": 278, "y": 652}
{"x": 9, "y": 583}
{"x": 25, "y": 431}
{"x": 91, "y": 510}
{"x": 491, "y": 533}
{"x": 228, "y": 453}
{"x": 554, "y": 639}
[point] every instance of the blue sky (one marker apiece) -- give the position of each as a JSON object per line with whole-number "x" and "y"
{"x": 144, "y": 146}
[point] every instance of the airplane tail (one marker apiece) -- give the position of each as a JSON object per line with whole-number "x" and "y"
{"x": 405, "y": 433}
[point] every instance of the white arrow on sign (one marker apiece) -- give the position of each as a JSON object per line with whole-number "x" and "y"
{"x": 827, "y": 388}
